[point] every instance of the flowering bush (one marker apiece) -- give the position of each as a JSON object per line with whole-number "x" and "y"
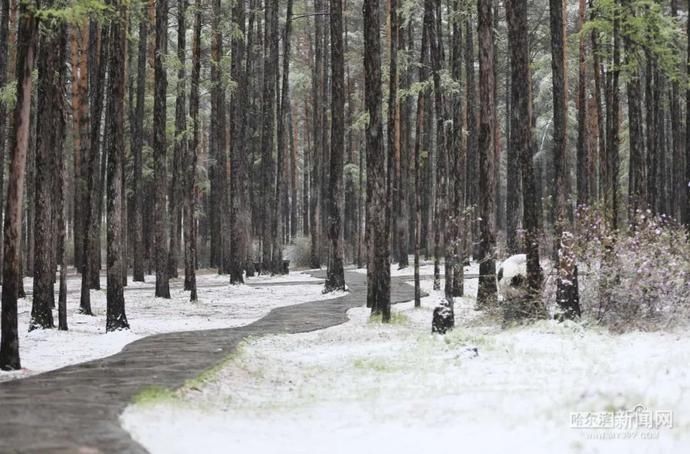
{"x": 633, "y": 279}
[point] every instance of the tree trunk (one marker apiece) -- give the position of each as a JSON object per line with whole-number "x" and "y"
{"x": 379, "y": 280}
{"x": 457, "y": 231}
{"x": 115, "y": 312}
{"x": 159, "y": 151}
{"x": 472, "y": 137}
{"x": 18, "y": 145}
{"x": 335, "y": 277}
{"x": 49, "y": 128}
{"x": 176, "y": 184}
{"x": 567, "y": 292}
{"x": 582, "y": 143}
{"x": 4, "y": 40}
{"x": 137, "y": 145}
{"x": 268, "y": 130}
{"x": 486, "y": 296}
{"x": 419, "y": 132}
{"x": 239, "y": 216}
{"x": 317, "y": 148}
{"x": 521, "y": 140}
{"x": 191, "y": 160}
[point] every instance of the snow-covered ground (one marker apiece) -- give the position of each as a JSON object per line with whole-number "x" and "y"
{"x": 220, "y": 305}
{"x": 426, "y": 268}
{"x": 363, "y": 387}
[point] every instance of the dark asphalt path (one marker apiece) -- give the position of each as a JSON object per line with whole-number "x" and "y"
{"x": 76, "y": 409}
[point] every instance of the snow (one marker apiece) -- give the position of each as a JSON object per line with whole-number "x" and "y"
{"x": 426, "y": 268}
{"x": 220, "y": 305}
{"x": 366, "y": 387}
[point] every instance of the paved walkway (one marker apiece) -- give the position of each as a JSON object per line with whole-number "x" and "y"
{"x": 76, "y": 409}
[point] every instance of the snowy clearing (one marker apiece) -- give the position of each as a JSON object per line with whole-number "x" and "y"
{"x": 366, "y": 387}
{"x": 220, "y": 306}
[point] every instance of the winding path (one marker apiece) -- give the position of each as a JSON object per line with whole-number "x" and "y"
{"x": 76, "y": 409}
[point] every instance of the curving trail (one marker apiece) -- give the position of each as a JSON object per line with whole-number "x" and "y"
{"x": 77, "y": 408}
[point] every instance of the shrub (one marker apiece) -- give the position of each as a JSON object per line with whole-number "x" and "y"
{"x": 633, "y": 279}
{"x": 299, "y": 253}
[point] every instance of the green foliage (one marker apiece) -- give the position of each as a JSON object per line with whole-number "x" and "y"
{"x": 8, "y": 95}
{"x": 75, "y": 11}
{"x": 645, "y": 30}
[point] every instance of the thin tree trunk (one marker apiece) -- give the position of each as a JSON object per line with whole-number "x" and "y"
{"x": 137, "y": 145}
{"x": 159, "y": 151}
{"x": 419, "y": 132}
{"x": 486, "y": 296}
{"x": 191, "y": 160}
{"x": 317, "y": 148}
{"x": 567, "y": 292}
{"x": 176, "y": 184}
{"x": 115, "y": 311}
{"x": 268, "y": 130}
{"x": 582, "y": 143}
{"x": 335, "y": 276}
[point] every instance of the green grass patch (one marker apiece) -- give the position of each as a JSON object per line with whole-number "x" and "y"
{"x": 397, "y": 318}
{"x": 211, "y": 373}
{"x": 373, "y": 364}
{"x": 154, "y": 395}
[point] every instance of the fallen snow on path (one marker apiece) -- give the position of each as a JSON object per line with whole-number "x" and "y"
{"x": 363, "y": 387}
{"x": 220, "y": 305}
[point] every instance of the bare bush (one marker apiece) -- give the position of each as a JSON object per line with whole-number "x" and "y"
{"x": 633, "y": 279}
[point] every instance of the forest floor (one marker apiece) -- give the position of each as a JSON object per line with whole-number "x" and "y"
{"x": 366, "y": 387}
{"x": 219, "y": 306}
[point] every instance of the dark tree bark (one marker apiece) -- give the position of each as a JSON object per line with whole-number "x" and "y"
{"x": 137, "y": 145}
{"x": 686, "y": 206}
{"x": 115, "y": 312}
{"x": 393, "y": 127}
{"x": 457, "y": 231}
{"x": 4, "y": 41}
{"x": 650, "y": 129}
{"x": 678, "y": 183}
{"x": 238, "y": 183}
{"x": 601, "y": 134}
{"x": 419, "y": 132}
{"x": 98, "y": 60}
{"x": 582, "y": 142}
{"x": 18, "y": 145}
{"x": 335, "y": 277}
{"x": 60, "y": 181}
{"x": 379, "y": 278}
{"x": 567, "y": 293}
{"x": 486, "y": 296}
{"x": 49, "y": 129}
{"x": 191, "y": 160}
{"x": 521, "y": 139}
{"x": 181, "y": 143}
{"x": 472, "y": 137}
{"x": 217, "y": 151}
{"x": 637, "y": 186}
{"x": 159, "y": 151}
{"x": 317, "y": 148}
{"x": 440, "y": 222}
{"x": 613, "y": 134}
{"x": 281, "y": 187}
{"x": 268, "y": 131}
